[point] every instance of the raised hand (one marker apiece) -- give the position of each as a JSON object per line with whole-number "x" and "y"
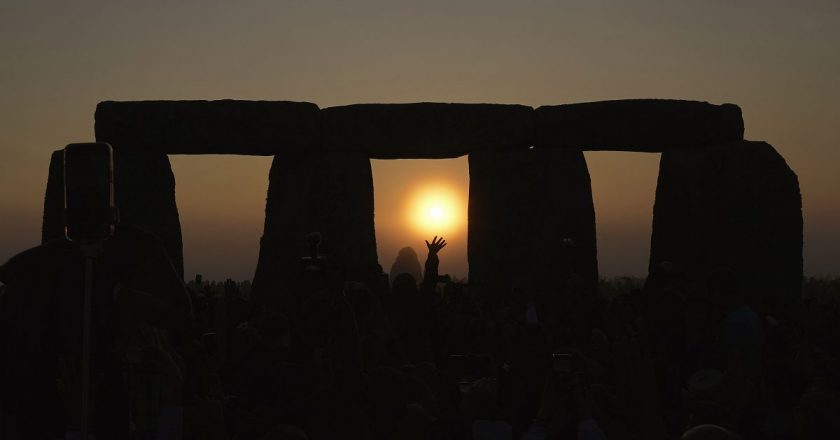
{"x": 430, "y": 275}
{"x": 436, "y": 245}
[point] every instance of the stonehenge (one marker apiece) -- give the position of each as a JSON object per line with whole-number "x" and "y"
{"x": 720, "y": 200}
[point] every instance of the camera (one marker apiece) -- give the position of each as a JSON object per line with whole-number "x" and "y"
{"x": 314, "y": 261}
{"x": 89, "y": 209}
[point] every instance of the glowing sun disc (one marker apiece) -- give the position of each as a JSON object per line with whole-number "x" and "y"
{"x": 435, "y": 209}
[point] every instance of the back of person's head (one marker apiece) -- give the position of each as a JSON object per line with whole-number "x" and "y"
{"x": 406, "y": 262}
{"x": 709, "y": 432}
{"x": 707, "y": 412}
{"x": 404, "y": 286}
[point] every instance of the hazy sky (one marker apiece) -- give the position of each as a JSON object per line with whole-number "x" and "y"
{"x": 778, "y": 60}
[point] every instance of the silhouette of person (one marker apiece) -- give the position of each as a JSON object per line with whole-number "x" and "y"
{"x": 406, "y": 262}
{"x": 415, "y": 306}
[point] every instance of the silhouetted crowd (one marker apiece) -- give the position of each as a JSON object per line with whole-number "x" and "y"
{"x": 413, "y": 355}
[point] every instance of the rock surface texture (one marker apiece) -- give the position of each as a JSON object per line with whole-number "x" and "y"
{"x": 650, "y": 125}
{"x": 522, "y": 206}
{"x": 734, "y": 205}
{"x": 308, "y": 192}
{"x": 209, "y": 127}
{"x": 426, "y": 130}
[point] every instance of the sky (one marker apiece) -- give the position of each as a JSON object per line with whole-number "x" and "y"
{"x": 778, "y": 60}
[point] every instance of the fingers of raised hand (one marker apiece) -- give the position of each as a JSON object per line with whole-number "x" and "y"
{"x": 436, "y": 244}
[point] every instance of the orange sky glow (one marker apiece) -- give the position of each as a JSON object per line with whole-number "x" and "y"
{"x": 778, "y": 60}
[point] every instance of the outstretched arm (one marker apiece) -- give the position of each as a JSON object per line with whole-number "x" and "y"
{"x": 430, "y": 276}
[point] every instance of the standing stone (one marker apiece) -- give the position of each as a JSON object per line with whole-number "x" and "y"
{"x": 523, "y": 204}
{"x": 52, "y": 226}
{"x": 307, "y": 192}
{"x": 735, "y": 205}
{"x": 144, "y": 191}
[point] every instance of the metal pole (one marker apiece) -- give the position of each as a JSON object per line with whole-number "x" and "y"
{"x": 90, "y": 252}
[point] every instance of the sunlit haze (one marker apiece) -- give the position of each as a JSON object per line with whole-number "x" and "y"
{"x": 416, "y": 200}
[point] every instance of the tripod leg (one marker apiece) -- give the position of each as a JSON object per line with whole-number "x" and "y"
{"x": 86, "y": 346}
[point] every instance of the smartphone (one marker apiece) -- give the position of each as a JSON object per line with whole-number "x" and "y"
{"x": 561, "y": 363}
{"x": 90, "y": 213}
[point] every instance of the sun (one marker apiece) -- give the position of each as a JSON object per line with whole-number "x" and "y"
{"x": 435, "y": 209}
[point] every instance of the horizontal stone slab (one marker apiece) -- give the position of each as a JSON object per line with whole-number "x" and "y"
{"x": 418, "y": 130}
{"x": 646, "y": 125}
{"x": 209, "y": 127}
{"x": 426, "y": 130}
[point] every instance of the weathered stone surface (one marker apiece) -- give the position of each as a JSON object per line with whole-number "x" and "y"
{"x": 209, "y": 127}
{"x": 53, "y": 221}
{"x": 522, "y": 205}
{"x": 419, "y": 130}
{"x": 328, "y": 193}
{"x": 736, "y": 205}
{"x": 637, "y": 125}
{"x": 426, "y": 130}
{"x": 144, "y": 191}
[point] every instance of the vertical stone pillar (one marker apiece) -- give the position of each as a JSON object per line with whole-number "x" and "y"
{"x": 144, "y": 188}
{"x": 52, "y": 226}
{"x": 329, "y": 193}
{"x": 736, "y": 205}
{"x": 523, "y": 204}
